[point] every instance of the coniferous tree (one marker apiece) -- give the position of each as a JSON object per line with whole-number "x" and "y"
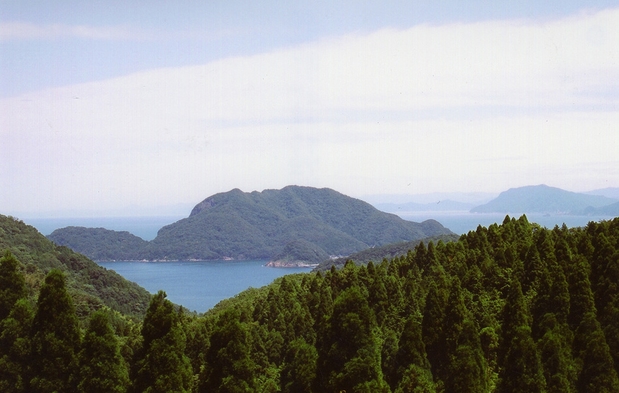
{"x": 556, "y": 355}
{"x": 56, "y": 338}
{"x": 161, "y": 365}
{"x": 581, "y": 296}
{"x": 411, "y": 352}
{"x": 15, "y": 349}
{"x": 350, "y": 359}
{"x": 102, "y": 369}
{"x": 605, "y": 282}
{"x": 432, "y": 327}
{"x": 464, "y": 370}
{"x": 467, "y": 366}
{"x": 12, "y": 284}
{"x": 520, "y": 369}
{"x": 228, "y": 367}
{"x": 597, "y": 374}
{"x": 299, "y": 369}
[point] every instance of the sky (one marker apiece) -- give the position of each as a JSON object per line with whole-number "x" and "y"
{"x": 113, "y": 107}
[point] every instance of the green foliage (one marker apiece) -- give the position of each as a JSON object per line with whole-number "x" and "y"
{"x": 299, "y": 367}
{"x": 15, "y": 348}
{"x": 56, "y": 338}
{"x": 102, "y": 368}
{"x": 161, "y": 365}
{"x": 12, "y": 284}
{"x": 228, "y": 367}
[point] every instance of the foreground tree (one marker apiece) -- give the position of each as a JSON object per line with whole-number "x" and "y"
{"x": 102, "y": 368}
{"x": 161, "y": 365}
{"x": 229, "y": 367}
{"x": 12, "y": 284}
{"x": 56, "y": 338}
{"x": 350, "y": 359}
{"x": 15, "y": 348}
{"x": 299, "y": 370}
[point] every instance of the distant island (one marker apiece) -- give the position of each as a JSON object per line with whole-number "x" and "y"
{"x": 289, "y": 226}
{"x": 549, "y": 200}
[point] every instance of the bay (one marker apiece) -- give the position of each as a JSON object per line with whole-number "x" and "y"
{"x": 199, "y": 286}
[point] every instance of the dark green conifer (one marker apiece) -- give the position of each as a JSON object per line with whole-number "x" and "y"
{"x": 581, "y": 296}
{"x": 597, "y": 374}
{"x": 432, "y": 327}
{"x": 411, "y": 351}
{"x": 520, "y": 369}
{"x": 56, "y": 338}
{"x": 467, "y": 366}
{"x": 15, "y": 353}
{"x": 102, "y": 369}
{"x": 299, "y": 369}
{"x": 161, "y": 365}
{"x": 12, "y": 283}
{"x": 350, "y": 358}
{"x": 229, "y": 367}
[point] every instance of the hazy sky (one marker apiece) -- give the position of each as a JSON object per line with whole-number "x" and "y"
{"x": 110, "y": 104}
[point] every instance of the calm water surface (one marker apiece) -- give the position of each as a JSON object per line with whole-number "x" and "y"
{"x": 199, "y": 286}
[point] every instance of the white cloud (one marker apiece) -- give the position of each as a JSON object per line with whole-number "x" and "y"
{"x": 463, "y": 107}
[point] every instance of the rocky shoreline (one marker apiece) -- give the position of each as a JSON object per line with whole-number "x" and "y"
{"x": 283, "y": 263}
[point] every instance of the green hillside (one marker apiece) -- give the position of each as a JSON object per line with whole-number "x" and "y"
{"x": 91, "y": 285}
{"x": 542, "y": 199}
{"x": 257, "y": 225}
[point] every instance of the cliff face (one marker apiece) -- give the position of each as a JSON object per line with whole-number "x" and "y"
{"x": 261, "y": 224}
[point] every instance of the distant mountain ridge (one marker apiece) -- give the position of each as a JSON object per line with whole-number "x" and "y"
{"x": 544, "y": 199}
{"x": 241, "y": 225}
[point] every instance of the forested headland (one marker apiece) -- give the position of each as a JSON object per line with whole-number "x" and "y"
{"x": 509, "y": 308}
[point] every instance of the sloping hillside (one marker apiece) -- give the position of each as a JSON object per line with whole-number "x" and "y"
{"x": 243, "y": 225}
{"x": 90, "y": 285}
{"x": 542, "y": 199}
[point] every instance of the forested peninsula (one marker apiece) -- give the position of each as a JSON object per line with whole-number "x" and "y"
{"x": 293, "y": 224}
{"x": 509, "y": 308}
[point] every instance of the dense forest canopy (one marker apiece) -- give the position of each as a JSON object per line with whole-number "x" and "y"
{"x": 509, "y": 308}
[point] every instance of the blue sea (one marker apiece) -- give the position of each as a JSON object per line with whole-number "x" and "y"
{"x": 198, "y": 286}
